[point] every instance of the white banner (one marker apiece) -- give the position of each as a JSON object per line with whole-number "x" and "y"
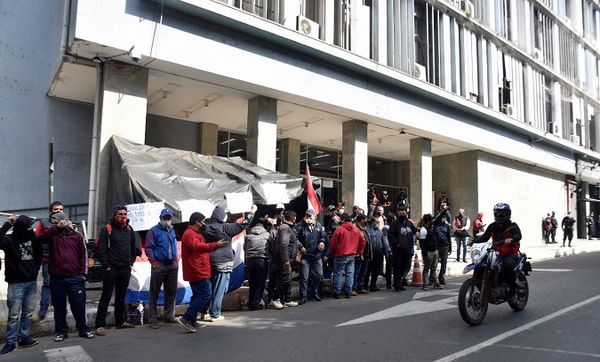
{"x": 276, "y": 194}
{"x": 188, "y": 207}
{"x": 239, "y": 202}
{"x": 144, "y": 216}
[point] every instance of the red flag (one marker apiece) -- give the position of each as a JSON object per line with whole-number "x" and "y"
{"x": 311, "y": 196}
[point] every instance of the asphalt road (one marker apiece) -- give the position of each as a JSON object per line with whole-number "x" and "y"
{"x": 560, "y": 323}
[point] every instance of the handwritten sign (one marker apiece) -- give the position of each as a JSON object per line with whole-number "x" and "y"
{"x": 144, "y": 216}
{"x": 239, "y": 202}
{"x": 275, "y": 194}
{"x": 188, "y": 207}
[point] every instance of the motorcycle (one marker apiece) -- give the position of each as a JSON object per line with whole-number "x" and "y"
{"x": 487, "y": 284}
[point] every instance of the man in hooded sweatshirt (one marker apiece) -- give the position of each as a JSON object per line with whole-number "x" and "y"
{"x": 23, "y": 257}
{"x": 216, "y": 229}
{"x": 116, "y": 252}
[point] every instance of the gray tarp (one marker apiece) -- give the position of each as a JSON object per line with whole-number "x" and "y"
{"x": 141, "y": 173}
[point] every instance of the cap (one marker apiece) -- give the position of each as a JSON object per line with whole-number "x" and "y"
{"x": 310, "y": 212}
{"x": 166, "y": 212}
{"x": 59, "y": 216}
{"x": 330, "y": 208}
{"x": 280, "y": 206}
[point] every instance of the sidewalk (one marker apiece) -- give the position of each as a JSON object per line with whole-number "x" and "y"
{"x": 237, "y": 300}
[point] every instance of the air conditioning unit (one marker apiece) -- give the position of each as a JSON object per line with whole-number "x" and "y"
{"x": 421, "y": 72}
{"x": 469, "y": 9}
{"x": 537, "y": 54}
{"x": 508, "y": 109}
{"x": 307, "y": 27}
{"x": 574, "y": 139}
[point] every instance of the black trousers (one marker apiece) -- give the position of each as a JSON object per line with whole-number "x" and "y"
{"x": 116, "y": 279}
{"x": 443, "y": 259}
{"x": 375, "y": 269}
{"x": 73, "y": 290}
{"x": 567, "y": 234}
{"x": 508, "y": 270}
{"x": 280, "y": 283}
{"x": 401, "y": 259}
{"x": 258, "y": 269}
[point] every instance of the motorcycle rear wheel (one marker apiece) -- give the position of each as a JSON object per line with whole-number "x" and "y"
{"x": 522, "y": 294}
{"x": 472, "y": 304}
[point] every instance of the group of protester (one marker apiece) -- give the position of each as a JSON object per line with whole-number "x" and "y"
{"x": 356, "y": 247}
{"x": 550, "y": 225}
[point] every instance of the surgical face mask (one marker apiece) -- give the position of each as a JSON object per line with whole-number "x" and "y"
{"x": 341, "y": 211}
{"x": 309, "y": 220}
{"x": 166, "y": 223}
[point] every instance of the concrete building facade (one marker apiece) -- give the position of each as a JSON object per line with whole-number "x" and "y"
{"x": 485, "y": 100}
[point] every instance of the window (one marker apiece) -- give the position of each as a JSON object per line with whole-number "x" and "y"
{"x": 231, "y": 144}
{"x": 548, "y": 106}
{"x": 427, "y": 42}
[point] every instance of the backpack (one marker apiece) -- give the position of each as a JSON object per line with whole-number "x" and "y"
{"x": 109, "y": 231}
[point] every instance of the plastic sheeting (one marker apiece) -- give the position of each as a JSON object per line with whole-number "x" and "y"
{"x": 141, "y": 173}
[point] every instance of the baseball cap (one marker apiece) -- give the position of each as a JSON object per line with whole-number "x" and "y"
{"x": 310, "y": 212}
{"x": 280, "y": 206}
{"x": 330, "y": 208}
{"x": 166, "y": 212}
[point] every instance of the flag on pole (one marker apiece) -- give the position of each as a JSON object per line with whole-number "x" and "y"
{"x": 311, "y": 196}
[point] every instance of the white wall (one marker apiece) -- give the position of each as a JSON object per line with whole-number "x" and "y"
{"x": 530, "y": 191}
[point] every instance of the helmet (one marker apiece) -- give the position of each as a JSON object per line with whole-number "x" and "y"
{"x": 502, "y": 212}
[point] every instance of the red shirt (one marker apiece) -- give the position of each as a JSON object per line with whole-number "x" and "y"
{"x": 195, "y": 254}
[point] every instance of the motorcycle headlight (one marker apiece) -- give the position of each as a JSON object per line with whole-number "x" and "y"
{"x": 475, "y": 256}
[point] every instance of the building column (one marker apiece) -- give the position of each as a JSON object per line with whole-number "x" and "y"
{"x": 208, "y": 138}
{"x": 289, "y": 156}
{"x": 119, "y": 109}
{"x": 355, "y": 159}
{"x": 262, "y": 132}
{"x": 557, "y": 110}
{"x": 421, "y": 180}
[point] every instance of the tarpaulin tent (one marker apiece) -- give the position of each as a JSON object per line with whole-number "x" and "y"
{"x": 141, "y": 174}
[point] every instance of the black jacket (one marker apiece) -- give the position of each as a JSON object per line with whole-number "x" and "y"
{"x": 441, "y": 233}
{"x": 310, "y": 239}
{"x": 120, "y": 250}
{"x": 402, "y": 235}
{"x": 22, "y": 255}
{"x": 285, "y": 245}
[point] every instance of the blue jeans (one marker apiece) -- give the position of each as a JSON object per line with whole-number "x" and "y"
{"x": 461, "y": 241}
{"x": 21, "y": 303}
{"x": 360, "y": 274}
{"x": 343, "y": 266}
{"x": 73, "y": 289}
{"x": 220, "y": 283}
{"x": 201, "y": 294}
{"x": 45, "y": 291}
{"x": 311, "y": 272}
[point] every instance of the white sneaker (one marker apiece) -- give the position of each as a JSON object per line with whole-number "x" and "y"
{"x": 218, "y": 319}
{"x": 276, "y": 304}
{"x": 291, "y": 304}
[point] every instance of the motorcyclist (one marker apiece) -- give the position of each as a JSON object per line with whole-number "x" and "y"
{"x": 506, "y": 236}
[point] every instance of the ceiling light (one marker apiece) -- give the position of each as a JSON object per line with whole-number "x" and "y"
{"x": 236, "y": 151}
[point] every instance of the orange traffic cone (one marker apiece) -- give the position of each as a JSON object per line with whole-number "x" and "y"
{"x": 417, "y": 274}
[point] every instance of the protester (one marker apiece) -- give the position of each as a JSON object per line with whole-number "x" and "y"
{"x": 428, "y": 243}
{"x": 221, "y": 259}
{"x": 388, "y": 256}
{"x": 554, "y": 222}
{"x": 67, "y": 266}
{"x": 282, "y": 254}
{"x": 478, "y": 225}
{"x": 441, "y": 233}
{"x": 313, "y": 239}
{"x": 23, "y": 257}
{"x": 161, "y": 250}
{"x": 362, "y": 260}
{"x": 42, "y": 226}
{"x": 197, "y": 270}
{"x": 256, "y": 250}
{"x": 589, "y": 223}
{"x": 462, "y": 223}
{"x": 116, "y": 252}
{"x": 547, "y": 225}
{"x": 346, "y": 243}
{"x": 380, "y": 217}
{"x": 567, "y": 227}
{"x": 380, "y": 249}
{"x": 402, "y": 240}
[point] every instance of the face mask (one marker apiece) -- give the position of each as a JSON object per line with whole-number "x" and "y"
{"x": 341, "y": 211}
{"x": 309, "y": 221}
{"x": 166, "y": 223}
{"x": 121, "y": 219}
{"x": 378, "y": 214}
{"x": 401, "y": 217}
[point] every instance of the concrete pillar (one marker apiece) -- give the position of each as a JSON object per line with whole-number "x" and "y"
{"x": 208, "y": 138}
{"x": 119, "y": 109}
{"x": 421, "y": 183}
{"x": 354, "y": 163}
{"x": 289, "y": 156}
{"x": 262, "y": 132}
{"x": 583, "y": 209}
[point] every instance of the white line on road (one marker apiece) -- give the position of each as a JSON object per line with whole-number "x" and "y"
{"x": 67, "y": 354}
{"x": 553, "y": 270}
{"x": 596, "y": 355}
{"x": 511, "y": 333}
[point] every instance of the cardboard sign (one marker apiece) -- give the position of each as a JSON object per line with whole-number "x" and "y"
{"x": 276, "y": 194}
{"x": 239, "y": 202}
{"x": 144, "y": 216}
{"x": 188, "y": 207}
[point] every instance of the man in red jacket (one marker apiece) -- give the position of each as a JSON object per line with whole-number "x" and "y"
{"x": 195, "y": 253}
{"x": 347, "y": 242}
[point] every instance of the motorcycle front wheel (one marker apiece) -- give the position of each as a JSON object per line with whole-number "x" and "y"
{"x": 520, "y": 302}
{"x": 471, "y": 302}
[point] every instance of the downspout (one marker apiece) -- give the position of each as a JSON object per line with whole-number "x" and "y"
{"x": 66, "y": 27}
{"x": 92, "y": 201}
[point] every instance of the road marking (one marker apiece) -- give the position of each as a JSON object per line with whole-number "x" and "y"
{"x": 505, "y": 335}
{"x": 421, "y": 295}
{"x": 596, "y": 355}
{"x": 67, "y": 354}
{"x": 553, "y": 270}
